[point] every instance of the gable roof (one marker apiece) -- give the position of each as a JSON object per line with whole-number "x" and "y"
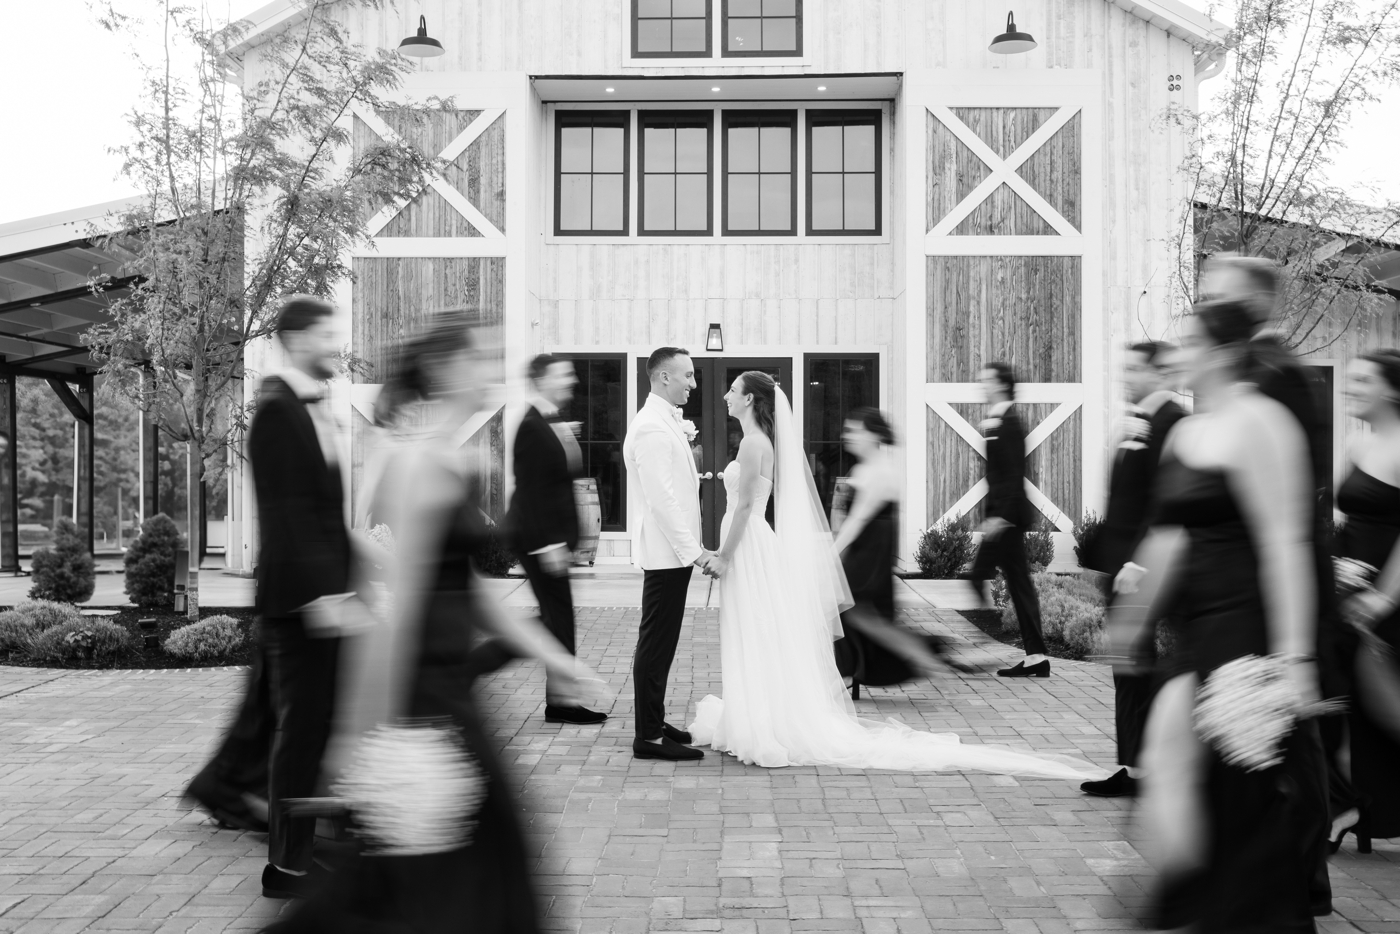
{"x": 1171, "y": 16}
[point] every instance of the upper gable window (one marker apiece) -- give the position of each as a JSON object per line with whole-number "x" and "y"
{"x": 762, "y": 28}
{"x": 671, "y": 28}
{"x": 591, "y": 177}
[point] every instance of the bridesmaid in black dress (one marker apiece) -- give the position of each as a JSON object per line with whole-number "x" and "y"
{"x": 875, "y": 650}
{"x": 1235, "y": 848}
{"x": 1370, "y": 499}
{"x": 443, "y": 636}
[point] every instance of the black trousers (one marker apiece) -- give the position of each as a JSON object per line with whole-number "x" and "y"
{"x": 240, "y": 764}
{"x": 556, "y": 601}
{"x": 301, "y": 676}
{"x": 1008, "y": 552}
{"x": 663, "y": 610}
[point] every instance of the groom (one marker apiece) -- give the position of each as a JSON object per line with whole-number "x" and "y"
{"x": 660, "y": 465}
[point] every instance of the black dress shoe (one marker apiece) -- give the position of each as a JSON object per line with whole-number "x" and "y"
{"x": 1021, "y": 670}
{"x": 1118, "y": 785}
{"x": 666, "y": 749}
{"x": 553, "y": 714}
{"x": 279, "y": 884}
{"x": 679, "y": 736}
{"x": 226, "y": 806}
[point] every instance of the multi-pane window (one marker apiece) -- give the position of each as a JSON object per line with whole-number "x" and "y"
{"x": 837, "y": 385}
{"x": 591, "y": 159}
{"x": 760, "y": 172}
{"x": 598, "y": 405}
{"x": 843, "y": 172}
{"x": 671, "y": 28}
{"x": 762, "y": 27}
{"x": 675, "y": 166}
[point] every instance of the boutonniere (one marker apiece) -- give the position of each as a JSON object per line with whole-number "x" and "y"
{"x": 691, "y": 432}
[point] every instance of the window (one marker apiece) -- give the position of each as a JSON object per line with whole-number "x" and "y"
{"x": 599, "y": 406}
{"x": 676, "y": 155}
{"x": 762, "y": 28}
{"x": 843, "y": 172}
{"x": 671, "y": 28}
{"x": 837, "y": 385}
{"x": 590, "y": 153}
{"x": 760, "y": 172}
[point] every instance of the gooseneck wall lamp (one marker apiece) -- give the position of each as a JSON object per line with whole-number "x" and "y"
{"x": 421, "y": 45}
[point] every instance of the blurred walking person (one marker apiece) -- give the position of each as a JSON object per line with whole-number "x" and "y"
{"x": 1232, "y": 822}
{"x": 1370, "y": 500}
{"x": 304, "y": 557}
{"x": 426, "y": 789}
{"x": 1008, "y": 516}
{"x": 543, "y": 518}
{"x": 1152, "y": 412}
{"x": 874, "y": 650}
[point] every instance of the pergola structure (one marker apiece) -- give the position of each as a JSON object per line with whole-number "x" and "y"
{"x": 48, "y": 266}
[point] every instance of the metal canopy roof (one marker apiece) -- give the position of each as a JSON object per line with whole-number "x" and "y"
{"x": 46, "y": 302}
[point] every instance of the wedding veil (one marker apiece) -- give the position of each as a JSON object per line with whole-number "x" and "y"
{"x": 804, "y": 536}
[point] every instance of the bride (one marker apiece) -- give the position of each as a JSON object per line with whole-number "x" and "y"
{"x": 781, "y": 595}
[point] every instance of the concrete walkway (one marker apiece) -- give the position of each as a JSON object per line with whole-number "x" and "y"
{"x": 93, "y": 837}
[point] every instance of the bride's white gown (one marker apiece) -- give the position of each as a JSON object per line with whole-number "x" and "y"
{"x": 784, "y": 701}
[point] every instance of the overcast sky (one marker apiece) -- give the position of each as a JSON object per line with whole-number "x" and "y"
{"x": 63, "y": 108}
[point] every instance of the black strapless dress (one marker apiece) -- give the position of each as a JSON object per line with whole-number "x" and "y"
{"x": 869, "y": 567}
{"x": 1264, "y": 826}
{"x": 1372, "y": 508}
{"x": 485, "y": 886}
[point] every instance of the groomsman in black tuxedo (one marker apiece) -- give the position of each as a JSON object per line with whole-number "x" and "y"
{"x": 303, "y": 558}
{"x": 1008, "y": 516}
{"x": 543, "y": 516}
{"x": 1152, "y": 411}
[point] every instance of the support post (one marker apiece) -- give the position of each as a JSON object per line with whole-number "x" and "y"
{"x": 9, "y": 476}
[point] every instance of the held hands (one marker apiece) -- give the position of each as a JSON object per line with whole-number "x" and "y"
{"x": 712, "y": 563}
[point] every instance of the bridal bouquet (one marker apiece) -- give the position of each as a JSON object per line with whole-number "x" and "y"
{"x": 1353, "y": 576}
{"x": 413, "y": 788}
{"x": 1247, "y": 707}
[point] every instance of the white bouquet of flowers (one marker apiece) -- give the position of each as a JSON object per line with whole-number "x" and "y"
{"x": 1353, "y": 576}
{"x": 383, "y": 536}
{"x": 413, "y": 788}
{"x": 1247, "y": 707}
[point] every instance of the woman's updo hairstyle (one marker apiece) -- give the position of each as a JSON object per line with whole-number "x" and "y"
{"x": 765, "y": 396}
{"x": 410, "y": 371}
{"x": 1387, "y": 360}
{"x": 875, "y": 422}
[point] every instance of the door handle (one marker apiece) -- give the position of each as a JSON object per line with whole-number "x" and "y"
{"x": 707, "y": 475}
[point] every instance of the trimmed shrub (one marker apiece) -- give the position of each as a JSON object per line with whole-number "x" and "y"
{"x": 944, "y": 550}
{"x": 1040, "y": 544}
{"x": 214, "y": 637}
{"x": 66, "y": 570}
{"x": 1072, "y": 615}
{"x": 81, "y": 640}
{"x": 46, "y": 614}
{"x": 1086, "y": 531}
{"x": 150, "y": 563}
{"x": 16, "y": 631}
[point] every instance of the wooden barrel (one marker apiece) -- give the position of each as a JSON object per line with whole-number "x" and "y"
{"x": 590, "y": 520}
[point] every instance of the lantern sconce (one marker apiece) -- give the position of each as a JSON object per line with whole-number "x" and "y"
{"x": 714, "y": 339}
{"x": 422, "y": 45}
{"x": 1012, "y": 41}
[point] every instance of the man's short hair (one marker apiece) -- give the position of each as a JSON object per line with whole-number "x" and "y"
{"x": 540, "y": 365}
{"x": 1262, "y": 273}
{"x": 299, "y": 312}
{"x": 662, "y": 356}
{"x": 1005, "y": 375}
{"x": 1154, "y": 351}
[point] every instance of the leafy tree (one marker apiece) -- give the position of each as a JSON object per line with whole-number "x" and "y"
{"x": 1298, "y": 72}
{"x": 249, "y": 195}
{"x": 65, "y": 572}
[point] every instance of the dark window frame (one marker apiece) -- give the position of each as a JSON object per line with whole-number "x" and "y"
{"x": 844, "y": 118}
{"x": 593, "y": 118}
{"x": 709, "y": 35}
{"x": 871, "y": 359}
{"x": 724, "y": 36}
{"x": 743, "y": 118}
{"x": 705, "y": 118}
{"x": 622, "y": 360}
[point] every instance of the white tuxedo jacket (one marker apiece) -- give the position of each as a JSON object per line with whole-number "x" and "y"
{"x": 661, "y": 467}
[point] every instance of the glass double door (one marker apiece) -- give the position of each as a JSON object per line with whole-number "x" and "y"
{"x": 717, "y": 440}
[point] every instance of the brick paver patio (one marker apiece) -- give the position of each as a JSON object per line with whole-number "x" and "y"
{"x": 92, "y": 836}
